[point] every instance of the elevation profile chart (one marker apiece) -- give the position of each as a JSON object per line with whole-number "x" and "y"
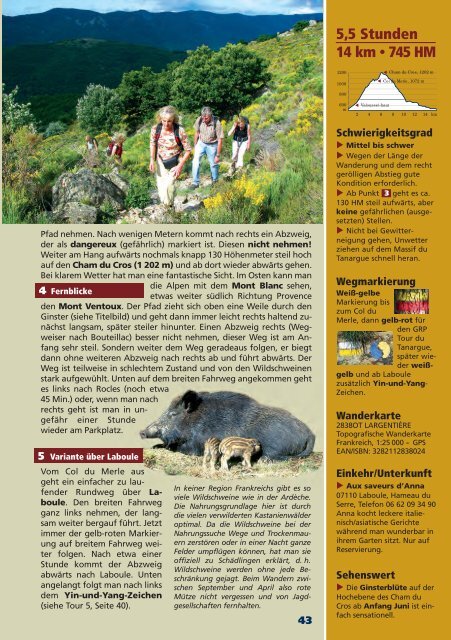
{"x": 382, "y": 94}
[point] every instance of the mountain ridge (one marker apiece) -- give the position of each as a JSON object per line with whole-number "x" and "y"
{"x": 182, "y": 30}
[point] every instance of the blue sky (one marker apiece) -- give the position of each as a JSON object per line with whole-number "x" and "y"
{"x": 250, "y": 7}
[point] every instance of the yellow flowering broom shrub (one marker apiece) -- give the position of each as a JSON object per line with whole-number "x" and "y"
{"x": 240, "y": 202}
{"x": 310, "y": 114}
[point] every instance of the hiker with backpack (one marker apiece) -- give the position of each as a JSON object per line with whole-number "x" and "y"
{"x": 92, "y": 152}
{"x": 208, "y": 137}
{"x": 169, "y": 150}
{"x": 114, "y": 149}
{"x": 241, "y": 131}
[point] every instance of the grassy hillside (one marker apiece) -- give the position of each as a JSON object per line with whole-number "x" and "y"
{"x": 287, "y": 119}
{"x": 295, "y": 63}
{"x": 282, "y": 178}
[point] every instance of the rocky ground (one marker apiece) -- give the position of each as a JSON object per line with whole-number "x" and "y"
{"x": 187, "y": 203}
{"x": 81, "y": 197}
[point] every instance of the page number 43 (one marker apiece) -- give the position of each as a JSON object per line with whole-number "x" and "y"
{"x": 305, "y": 620}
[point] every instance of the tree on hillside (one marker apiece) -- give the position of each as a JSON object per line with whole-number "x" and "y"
{"x": 191, "y": 85}
{"x": 99, "y": 109}
{"x": 166, "y": 80}
{"x": 240, "y": 73}
{"x": 226, "y": 80}
{"x": 15, "y": 114}
{"x": 142, "y": 93}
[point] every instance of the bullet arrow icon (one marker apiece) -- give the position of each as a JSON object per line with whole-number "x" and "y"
{"x": 339, "y": 192}
{"x": 339, "y": 586}
{"x": 339, "y": 155}
{"x": 339, "y": 485}
{"x": 339, "y": 144}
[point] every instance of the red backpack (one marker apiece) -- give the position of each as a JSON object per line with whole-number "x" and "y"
{"x": 111, "y": 145}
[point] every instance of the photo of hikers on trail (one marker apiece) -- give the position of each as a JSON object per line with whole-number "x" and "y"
{"x": 226, "y": 135}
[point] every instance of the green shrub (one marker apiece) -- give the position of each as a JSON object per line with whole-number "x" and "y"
{"x": 15, "y": 114}
{"x": 314, "y": 86}
{"x": 50, "y": 165}
{"x": 99, "y": 109}
{"x": 300, "y": 26}
{"x": 18, "y": 208}
{"x": 138, "y": 194}
{"x": 293, "y": 199}
{"x": 299, "y": 157}
{"x": 286, "y": 187}
{"x": 306, "y": 68}
{"x": 295, "y": 194}
{"x": 264, "y": 37}
{"x": 19, "y": 155}
{"x": 107, "y": 214}
{"x": 55, "y": 129}
{"x": 15, "y": 206}
{"x": 136, "y": 156}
